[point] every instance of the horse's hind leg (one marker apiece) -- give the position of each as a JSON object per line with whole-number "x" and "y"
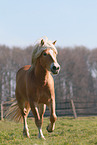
{"x": 42, "y": 108}
{"x": 25, "y": 108}
{"x": 25, "y": 130}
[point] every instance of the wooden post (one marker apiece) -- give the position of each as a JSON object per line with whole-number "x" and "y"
{"x": 73, "y": 108}
{"x": 71, "y": 100}
{"x": 2, "y": 110}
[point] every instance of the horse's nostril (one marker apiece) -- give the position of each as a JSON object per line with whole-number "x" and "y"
{"x": 58, "y": 68}
{"x": 54, "y": 67}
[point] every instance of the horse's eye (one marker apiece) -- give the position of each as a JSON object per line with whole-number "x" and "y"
{"x": 44, "y": 53}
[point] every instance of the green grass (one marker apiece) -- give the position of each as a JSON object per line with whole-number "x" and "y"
{"x": 68, "y": 131}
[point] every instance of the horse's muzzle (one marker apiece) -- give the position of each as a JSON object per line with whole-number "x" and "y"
{"x": 55, "y": 68}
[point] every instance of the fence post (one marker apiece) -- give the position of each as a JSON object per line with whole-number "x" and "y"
{"x": 2, "y": 110}
{"x": 71, "y": 100}
{"x": 73, "y": 108}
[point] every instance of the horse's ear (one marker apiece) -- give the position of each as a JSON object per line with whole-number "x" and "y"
{"x": 42, "y": 42}
{"x": 54, "y": 42}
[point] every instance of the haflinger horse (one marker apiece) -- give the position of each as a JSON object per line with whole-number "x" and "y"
{"x": 35, "y": 87}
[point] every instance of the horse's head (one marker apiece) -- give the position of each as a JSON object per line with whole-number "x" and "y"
{"x": 48, "y": 60}
{"x": 45, "y": 51}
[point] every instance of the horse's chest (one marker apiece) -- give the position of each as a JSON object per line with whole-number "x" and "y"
{"x": 43, "y": 95}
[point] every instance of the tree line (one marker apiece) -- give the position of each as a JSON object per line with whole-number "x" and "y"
{"x": 78, "y": 75}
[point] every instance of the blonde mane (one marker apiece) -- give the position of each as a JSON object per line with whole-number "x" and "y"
{"x": 39, "y": 48}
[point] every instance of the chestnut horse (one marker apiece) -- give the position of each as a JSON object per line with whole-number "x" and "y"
{"x": 35, "y": 88}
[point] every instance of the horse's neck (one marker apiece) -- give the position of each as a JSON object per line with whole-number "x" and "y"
{"x": 41, "y": 74}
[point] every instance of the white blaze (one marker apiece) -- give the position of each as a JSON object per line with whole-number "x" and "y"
{"x": 51, "y": 53}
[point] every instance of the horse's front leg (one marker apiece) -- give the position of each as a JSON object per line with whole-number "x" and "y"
{"x": 53, "y": 116}
{"x": 38, "y": 114}
{"x": 41, "y": 108}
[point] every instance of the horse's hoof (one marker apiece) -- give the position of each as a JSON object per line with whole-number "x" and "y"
{"x": 48, "y": 129}
{"x": 25, "y": 134}
{"x": 41, "y": 137}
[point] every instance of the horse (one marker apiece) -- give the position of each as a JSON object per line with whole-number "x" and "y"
{"x": 35, "y": 88}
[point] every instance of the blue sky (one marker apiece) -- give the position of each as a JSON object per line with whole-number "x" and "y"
{"x": 70, "y": 22}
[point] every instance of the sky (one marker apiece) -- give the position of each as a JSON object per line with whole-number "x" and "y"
{"x": 70, "y": 22}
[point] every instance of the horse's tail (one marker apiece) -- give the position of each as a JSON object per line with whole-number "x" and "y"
{"x": 14, "y": 113}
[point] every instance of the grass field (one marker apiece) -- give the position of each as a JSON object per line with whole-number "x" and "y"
{"x": 68, "y": 131}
